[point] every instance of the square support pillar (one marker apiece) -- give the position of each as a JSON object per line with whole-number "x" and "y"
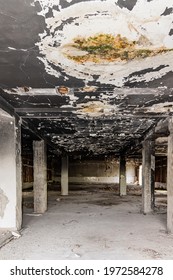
{"x": 170, "y": 179}
{"x": 10, "y": 172}
{"x": 122, "y": 176}
{"x": 40, "y": 176}
{"x": 152, "y": 174}
{"x": 64, "y": 175}
{"x": 148, "y": 175}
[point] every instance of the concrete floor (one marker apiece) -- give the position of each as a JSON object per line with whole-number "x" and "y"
{"x": 93, "y": 223}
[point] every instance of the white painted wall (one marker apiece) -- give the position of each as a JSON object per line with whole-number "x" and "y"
{"x": 130, "y": 173}
{"x": 140, "y": 175}
{"x": 10, "y": 183}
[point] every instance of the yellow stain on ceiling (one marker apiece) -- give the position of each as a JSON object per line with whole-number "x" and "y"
{"x": 96, "y": 108}
{"x": 107, "y": 47}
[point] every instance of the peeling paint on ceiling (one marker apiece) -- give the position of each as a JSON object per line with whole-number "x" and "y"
{"x": 89, "y": 18}
{"x": 166, "y": 107}
{"x": 92, "y": 107}
{"x": 96, "y": 108}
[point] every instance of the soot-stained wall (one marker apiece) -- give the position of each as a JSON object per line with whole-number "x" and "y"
{"x": 83, "y": 171}
{"x": 161, "y": 172}
{"x": 96, "y": 171}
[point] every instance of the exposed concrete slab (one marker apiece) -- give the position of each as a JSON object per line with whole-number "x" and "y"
{"x": 92, "y": 224}
{"x": 10, "y": 172}
{"x": 40, "y": 176}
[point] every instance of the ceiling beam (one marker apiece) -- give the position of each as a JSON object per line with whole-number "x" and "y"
{"x": 46, "y": 113}
{"x": 5, "y": 106}
{"x": 28, "y": 125}
{"x": 72, "y": 90}
{"x": 162, "y": 127}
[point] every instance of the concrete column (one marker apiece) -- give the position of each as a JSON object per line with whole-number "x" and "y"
{"x": 170, "y": 179}
{"x": 122, "y": 176}
{"x": 148, "y": 180}
{"x": 64, "y": 175}
{"x": 40, "y": 176}
{"x": 152, "y": 174}
{"x": 10, "y": 172}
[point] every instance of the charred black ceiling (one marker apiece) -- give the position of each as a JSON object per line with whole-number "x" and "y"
{"x": 89, "y": 120}
{"x": 87, "y": 99}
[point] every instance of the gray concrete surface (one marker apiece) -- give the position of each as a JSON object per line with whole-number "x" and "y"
{"x": 40, "y": 176}
{"x": 5, "y": 237}
{"x": 92, "y": 224}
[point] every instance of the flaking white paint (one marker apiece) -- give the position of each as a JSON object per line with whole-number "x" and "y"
{"x": 164, "y": 107}
{"x": 96, "y": 108}
{"x": 93, "y": 17}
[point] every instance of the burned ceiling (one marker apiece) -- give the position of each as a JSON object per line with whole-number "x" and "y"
{"x": 90, "y": 77}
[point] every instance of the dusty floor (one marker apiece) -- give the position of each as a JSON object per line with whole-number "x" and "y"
{"x": 92, "y": 224}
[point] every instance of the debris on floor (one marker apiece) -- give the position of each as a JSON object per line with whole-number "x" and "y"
{"x": 33, "y": 214}
{"x": 77, "y": 255}
{"x": 16, "y": 234}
